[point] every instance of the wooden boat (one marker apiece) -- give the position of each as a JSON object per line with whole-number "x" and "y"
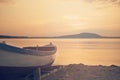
{"x": 23, "y": 60}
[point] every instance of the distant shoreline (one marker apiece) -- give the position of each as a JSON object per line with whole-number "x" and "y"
{"x": 73, "y": 36}
{"x": 58, "y": 38}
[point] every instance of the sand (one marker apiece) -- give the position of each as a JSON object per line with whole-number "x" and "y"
{"x": 79, "y": 72}
{"x": 85, "y": 72}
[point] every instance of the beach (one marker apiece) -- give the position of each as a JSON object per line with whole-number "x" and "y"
{"x": 85, "y": 72}
{"x": 77, "y": 72}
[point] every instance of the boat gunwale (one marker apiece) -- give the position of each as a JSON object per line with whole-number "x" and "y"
{"x": 17, "y": 50}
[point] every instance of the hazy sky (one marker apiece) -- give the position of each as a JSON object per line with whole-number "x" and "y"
{"x": 58, "y": 17}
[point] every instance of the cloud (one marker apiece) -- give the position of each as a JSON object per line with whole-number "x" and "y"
{"x": 6, "y": 1}
{"x": 105, "y": 1}
{"x": 113, "y": 2}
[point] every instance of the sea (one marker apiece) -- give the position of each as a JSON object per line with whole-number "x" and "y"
{"x": 75, "y": 51}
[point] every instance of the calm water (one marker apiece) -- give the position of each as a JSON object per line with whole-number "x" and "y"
{"x": 86, "y": 51}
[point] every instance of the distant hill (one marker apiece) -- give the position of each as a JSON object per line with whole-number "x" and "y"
{"x": 7, "y": 36}
{"x": 82, "y": 35}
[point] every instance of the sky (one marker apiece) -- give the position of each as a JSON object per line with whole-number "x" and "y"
{"x": 59, "y": 17}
